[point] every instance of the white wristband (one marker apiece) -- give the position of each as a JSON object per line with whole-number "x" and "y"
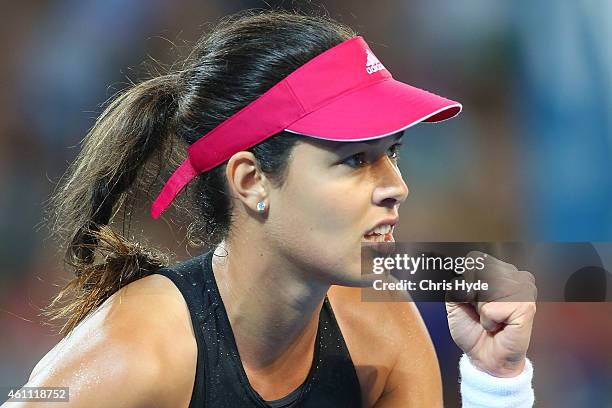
{"x": 482, "y": 390}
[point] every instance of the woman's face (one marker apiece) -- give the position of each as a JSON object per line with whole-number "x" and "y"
{"x": 334, "y": 194}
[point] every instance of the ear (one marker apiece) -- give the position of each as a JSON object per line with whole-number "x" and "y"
{"x": 246, "y": 181}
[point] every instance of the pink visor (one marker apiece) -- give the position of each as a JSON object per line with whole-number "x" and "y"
{"x": 343, "y": 94}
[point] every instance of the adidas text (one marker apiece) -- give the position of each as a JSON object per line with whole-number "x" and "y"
{"x": 374, "y": 68}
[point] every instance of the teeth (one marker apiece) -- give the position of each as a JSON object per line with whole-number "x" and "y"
{"x": 381, "y": 230}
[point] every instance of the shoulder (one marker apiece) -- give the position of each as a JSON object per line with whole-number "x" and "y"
{"x": 379, "y": 322}
{"x": 404, "y": 361}
{"x": 141, "y": 336}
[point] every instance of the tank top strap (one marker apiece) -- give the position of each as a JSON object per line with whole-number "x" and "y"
{"x": 187, "y": 277}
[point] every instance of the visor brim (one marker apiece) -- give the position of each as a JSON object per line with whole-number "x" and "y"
{"x": 377, "y": 110}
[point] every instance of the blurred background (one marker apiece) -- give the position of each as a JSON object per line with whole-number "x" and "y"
{"x": 529, "y": 158}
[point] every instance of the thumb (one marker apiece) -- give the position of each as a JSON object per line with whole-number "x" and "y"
{"x": 487, "y": 321}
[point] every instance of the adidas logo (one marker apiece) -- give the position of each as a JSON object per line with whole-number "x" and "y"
{"x": 372, "y": 63}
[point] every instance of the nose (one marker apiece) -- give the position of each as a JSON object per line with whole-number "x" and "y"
{"x": 390, "y": 190}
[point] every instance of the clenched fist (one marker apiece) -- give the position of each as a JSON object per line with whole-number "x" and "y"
{"x": 494, "y": 328}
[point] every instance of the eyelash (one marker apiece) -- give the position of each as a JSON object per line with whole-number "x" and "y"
{"x": 395, "y": 150}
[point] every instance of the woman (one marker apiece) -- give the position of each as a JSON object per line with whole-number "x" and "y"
{"x": 293, "y": 128}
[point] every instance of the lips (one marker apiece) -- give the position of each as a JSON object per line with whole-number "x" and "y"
{"x": 378, "y": 238}
{"x": 381, "y": 232}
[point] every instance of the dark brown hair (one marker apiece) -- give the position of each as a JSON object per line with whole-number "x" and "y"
{"x": 142, "y": 135}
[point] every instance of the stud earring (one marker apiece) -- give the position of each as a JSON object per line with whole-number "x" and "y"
{"x": 261, "y": 206}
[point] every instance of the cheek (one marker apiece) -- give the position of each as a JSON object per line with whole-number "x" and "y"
{"x": 329, "y": 211}
{"x": 325, "y": 219}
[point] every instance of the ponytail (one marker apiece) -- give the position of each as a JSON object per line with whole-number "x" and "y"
{"x": 229, "y": 68}
{"x": 131, "y": 129}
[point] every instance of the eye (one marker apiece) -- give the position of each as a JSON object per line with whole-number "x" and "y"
{"x": 356, "y": 160}
{"x": 394, "y": 151}
{"x": 359, "y": 159}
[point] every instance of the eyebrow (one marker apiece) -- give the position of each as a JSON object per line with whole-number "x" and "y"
{"x": 346, "y": 145}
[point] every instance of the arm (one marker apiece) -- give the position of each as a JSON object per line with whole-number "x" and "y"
{"x": 136, "y": 350}
{"x": 414, "y": 380}
{"x": 494, "y": 333}
{"x": 106, "y": 375}
{"x": 415, "y": 377}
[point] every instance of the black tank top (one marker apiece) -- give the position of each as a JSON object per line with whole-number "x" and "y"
{"x": 220, "y": 379}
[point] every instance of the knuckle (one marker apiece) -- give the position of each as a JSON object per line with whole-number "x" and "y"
{"x": 528, "y": 276}
{"x": 485, "y": 309}
{"x": 475, "y": 254}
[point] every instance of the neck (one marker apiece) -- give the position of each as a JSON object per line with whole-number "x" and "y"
{"x": 273, "y": 309}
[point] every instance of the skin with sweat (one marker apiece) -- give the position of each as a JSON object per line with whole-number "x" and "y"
{"x": 280, "y": 264}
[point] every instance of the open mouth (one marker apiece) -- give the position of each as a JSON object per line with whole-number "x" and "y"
{"x": 384, "y": 233}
